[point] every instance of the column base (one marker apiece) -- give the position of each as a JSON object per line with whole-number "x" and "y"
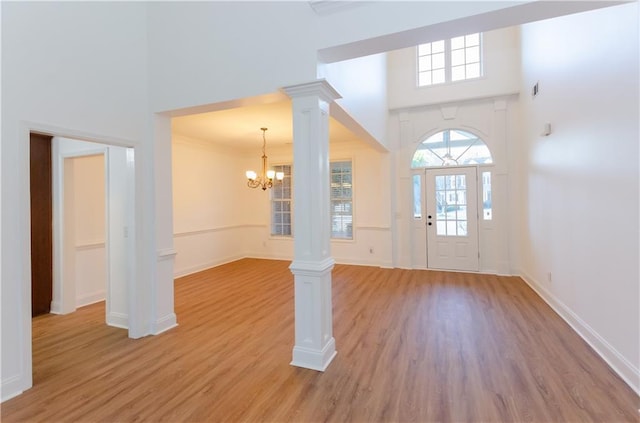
{"x": 314, "y": 359}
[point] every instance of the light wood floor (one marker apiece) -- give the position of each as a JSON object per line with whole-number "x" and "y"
{"x": 413, "y": 346}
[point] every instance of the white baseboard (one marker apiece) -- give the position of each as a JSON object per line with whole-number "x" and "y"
{"x": 625, "y": 369}
{"x": 256, "y": 255}
{"x": 178, "y": 273}
{"x": 118, "y": 320}
{"x": 56, "y": 308}
{"x": 86, "y": 299}
{"x": 164, "y": 324}
{"x": 11, "y": 387}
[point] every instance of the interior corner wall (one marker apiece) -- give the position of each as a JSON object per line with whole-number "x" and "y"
{"x": 362, "y": 83}
{"x": 208, "y": 204}
{"x": 580, "y": 183}
{"x": 90, "y": 227}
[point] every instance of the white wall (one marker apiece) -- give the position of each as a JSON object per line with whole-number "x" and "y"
{"x": 208, "y": 52}
{"x": 65, "y": 71}
{"x": 362, "y": 83}
{"x": 90, "y": 229}
{"x": 208, "y": 204}
{"x": 580, "y": 184}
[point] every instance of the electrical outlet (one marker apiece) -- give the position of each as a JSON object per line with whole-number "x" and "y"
{"x": 370, "y": 250}
{"x": 549, "y": 278}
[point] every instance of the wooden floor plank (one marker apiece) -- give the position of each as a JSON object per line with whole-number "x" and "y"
{"x": 413, "y": 346}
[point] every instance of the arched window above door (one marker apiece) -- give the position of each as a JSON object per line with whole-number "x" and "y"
{"x": 451, "y": 147}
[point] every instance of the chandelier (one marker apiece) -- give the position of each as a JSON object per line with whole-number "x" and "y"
{"x": 265, "y": 179}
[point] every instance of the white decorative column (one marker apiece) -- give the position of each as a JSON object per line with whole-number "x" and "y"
{"x": 312, "y": 264}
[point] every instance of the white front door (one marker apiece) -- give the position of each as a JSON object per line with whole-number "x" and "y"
{"x": 452, "y": 218}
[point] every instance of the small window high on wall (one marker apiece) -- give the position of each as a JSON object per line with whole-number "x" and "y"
{"x": 451, "y": 60}
{"x": 452, "y": 147}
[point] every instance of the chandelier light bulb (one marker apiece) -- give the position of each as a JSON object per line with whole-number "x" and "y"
{"x": 265, "y": 179}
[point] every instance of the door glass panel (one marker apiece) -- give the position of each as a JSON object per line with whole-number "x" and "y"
{"x": 441, "y": 228}
{"x": 462, "y": 228}
{"x": 486, "y": 195}
{"x": 417, "y": 200}
{"x": 451, "y": 205}
{"x": 451, "y": 182}
{"x": 462, "y": 213}
{"x": 440, "y": 202}
{"x": 461, "y": 197}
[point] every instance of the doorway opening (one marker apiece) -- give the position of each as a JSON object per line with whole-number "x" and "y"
{"x": 82, "y": 211}
{"x": 445, "y": 171}
{"x": 92, "y": 214}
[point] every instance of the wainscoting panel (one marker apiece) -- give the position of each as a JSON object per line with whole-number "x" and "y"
{"x": 206, "y": 248}
{"x": 91, "y": 273}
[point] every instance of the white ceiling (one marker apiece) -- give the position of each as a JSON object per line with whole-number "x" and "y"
{"x": 240, "y": 127}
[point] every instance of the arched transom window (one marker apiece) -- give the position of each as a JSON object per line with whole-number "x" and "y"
{"x": 451, "y": 147}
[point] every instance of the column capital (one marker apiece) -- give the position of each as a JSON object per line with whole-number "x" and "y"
{"x": 320, "y": 88}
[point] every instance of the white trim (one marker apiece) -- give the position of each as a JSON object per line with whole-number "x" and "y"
{"x": 90, "y": 246}
{"x": 166, "y": 254}
{"x": 373, "y": 228}
{"x": 165, "y": 323}
{"x": 626, "y": 370}
{"x": 204, "y": 266}
{"x": 118, "y": 320}
{"x": 312, "y": 268}
{"x": 91, "y": 298}
{"x": 216, "y": 229}
{"x": 320, "y": 88}
{"x": 358, "y": 262}
{"x": 7, "y": 386}
{"x": 56, "y": 308}
{"x": 436, "y": 104}
{"x": 58, "y": 131}
{"x": 315, "y": 360}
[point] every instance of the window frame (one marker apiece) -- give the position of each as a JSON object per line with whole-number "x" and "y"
{"x": 350, "y": 199}
{"x": 448, "y": 68}
{"x": 289, "y": 200}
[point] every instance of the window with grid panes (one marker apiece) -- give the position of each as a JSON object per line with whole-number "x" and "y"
{"x": 341, "y": 200}
{"x": 281, "y": 203}
{"x": 451, "y": 60}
